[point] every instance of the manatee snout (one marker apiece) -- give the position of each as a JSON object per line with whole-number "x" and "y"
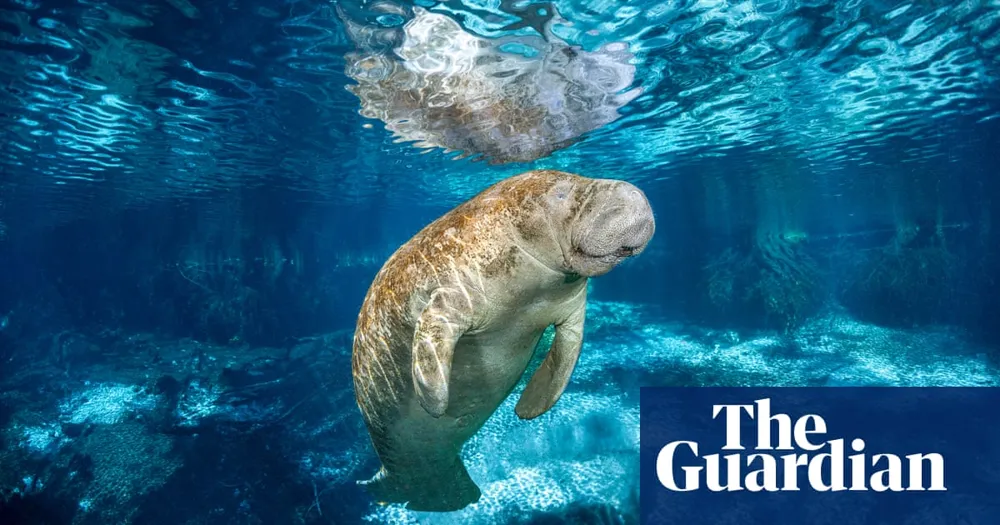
{"x": 638, "y": 224}
{"x": 619, "y": 227}
{"x": 623, "y": 223}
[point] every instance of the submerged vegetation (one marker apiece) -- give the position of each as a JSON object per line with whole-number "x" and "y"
{"x": 772, "y": 283}
{"x": 907, "y": 282}
{"x": 913, "y": 278}
{"x": 769, "y": 280}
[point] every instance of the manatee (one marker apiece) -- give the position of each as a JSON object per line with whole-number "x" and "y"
{"x": 509, "y": 99}
{"x": 451, "y": 321}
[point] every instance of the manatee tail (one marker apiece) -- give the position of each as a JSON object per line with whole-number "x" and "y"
{"x": 437, "y": 488}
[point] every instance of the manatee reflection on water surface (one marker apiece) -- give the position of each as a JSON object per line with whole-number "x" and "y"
{"x": 511, "y": 99}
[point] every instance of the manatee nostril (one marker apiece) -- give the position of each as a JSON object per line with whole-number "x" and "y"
{"x": 625, "y": 251}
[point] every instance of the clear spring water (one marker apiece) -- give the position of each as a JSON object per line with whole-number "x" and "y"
{"x": 194, "y": 197}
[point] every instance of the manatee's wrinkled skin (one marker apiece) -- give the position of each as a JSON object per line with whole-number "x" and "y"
{"x": 452, "y": 319}
{"x": 436, "y": 85}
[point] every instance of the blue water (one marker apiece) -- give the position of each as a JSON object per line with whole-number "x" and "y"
{"x": 195, "y": 197}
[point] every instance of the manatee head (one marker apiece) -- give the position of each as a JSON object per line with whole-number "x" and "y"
{"x": 582, "y": 226}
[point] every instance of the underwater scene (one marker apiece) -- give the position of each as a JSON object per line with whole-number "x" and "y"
{"x": 401, "y": 262}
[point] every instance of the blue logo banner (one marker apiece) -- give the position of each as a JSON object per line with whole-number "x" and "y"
{"x": 816, "y": 456}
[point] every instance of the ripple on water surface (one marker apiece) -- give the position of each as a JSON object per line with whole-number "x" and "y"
{"x": 134, "y": 102}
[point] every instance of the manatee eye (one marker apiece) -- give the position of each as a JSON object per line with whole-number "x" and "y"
{"x": 562, "y": 194}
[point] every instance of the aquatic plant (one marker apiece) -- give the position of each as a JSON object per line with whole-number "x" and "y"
{"x": 774, "y": 283}
{"x": 909, "y": 280}
{"x": 769, "y": 280}
{"x": 904, "y": 283}
{"x": 226, "y": 290}
{"x": 226, "y": 309}
{"x": 989, "y": 278}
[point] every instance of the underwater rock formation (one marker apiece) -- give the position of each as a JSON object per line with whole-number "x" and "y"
{"x": 150, "y": 430}
{"x": 436, "y": 85}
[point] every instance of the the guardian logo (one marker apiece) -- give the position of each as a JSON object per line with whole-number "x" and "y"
{"x": 824, "y": 470}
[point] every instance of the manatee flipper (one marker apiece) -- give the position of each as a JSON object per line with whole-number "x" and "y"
{"x": 552, "y": 376}
{"x": 436, "y": 487}
{"x": 445, "y": 318}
